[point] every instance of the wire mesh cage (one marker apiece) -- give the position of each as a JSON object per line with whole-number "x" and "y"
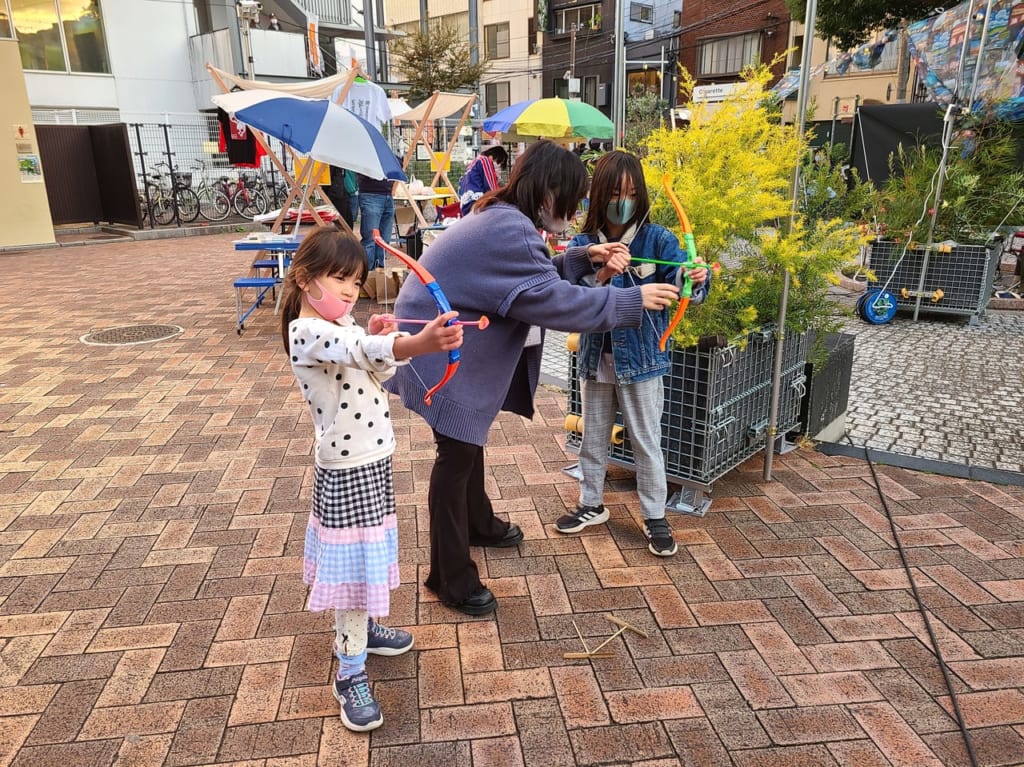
{"x": 716, "y": 406}
{"x": 956, "y": 282}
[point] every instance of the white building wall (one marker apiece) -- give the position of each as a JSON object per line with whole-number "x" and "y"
{"x": 147, "y": 45}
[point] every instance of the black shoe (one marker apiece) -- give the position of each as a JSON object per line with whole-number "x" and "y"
{"x": 480, "y": 602}
{"x": 659, "y": 537}
{"x": 584, "y": 516}
{"x": 513, "y": 536}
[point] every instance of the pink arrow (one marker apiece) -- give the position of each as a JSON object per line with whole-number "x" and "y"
{"x": 481, "y": 323}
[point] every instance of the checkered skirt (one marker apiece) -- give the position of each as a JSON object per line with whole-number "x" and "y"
{"x": 351, "y": 555}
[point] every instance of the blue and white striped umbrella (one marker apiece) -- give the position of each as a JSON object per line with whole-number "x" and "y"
{"x": 316, "y": 127}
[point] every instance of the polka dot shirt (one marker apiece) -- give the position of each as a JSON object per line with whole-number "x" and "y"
{"x": 339, "y": 369}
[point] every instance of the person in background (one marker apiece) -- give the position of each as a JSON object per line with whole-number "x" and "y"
{"x": 274, "y": 23}
{"x": 495, "y": 263}
{"x": 343, "y": 192}
{"x": 376, "y": 211}
{"x": 351, "y": 549}
{"x": 481, "y": 176}
{"x": 622, "y": 369}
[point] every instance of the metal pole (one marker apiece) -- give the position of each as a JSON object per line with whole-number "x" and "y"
{"x": 369, "y": 40}
{"x": 981, "y": 52}
{"x": 619, "y": 102}
{"x": 832, "y": 130}
{"x": 424, "y": 16}
{"x": 780, "y": 331}
{"x": 948, "y": 123}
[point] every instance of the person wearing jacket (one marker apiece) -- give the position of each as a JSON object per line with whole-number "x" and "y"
{"x": 495, "y": 263}
{"x": 621, "y": 369}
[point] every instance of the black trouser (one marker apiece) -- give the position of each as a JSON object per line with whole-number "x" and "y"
{"x": 461, "y": 516}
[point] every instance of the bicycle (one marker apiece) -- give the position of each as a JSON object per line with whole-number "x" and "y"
{"x": 214, "y": 203}
{"x": 165, "y": 200}
{"x": 249, "y": 199}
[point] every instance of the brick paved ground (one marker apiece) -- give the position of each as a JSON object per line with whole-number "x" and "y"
{"x": 152, "y": 505}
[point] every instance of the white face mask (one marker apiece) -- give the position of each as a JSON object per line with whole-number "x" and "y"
{"x": 553, "y": 225}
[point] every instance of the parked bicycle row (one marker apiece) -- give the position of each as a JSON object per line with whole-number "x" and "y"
{"x": 168, "y": 196}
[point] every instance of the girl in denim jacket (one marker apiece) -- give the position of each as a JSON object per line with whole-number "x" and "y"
{"x": 622, "y": 369}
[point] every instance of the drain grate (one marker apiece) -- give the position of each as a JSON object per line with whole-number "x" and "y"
{"x": 127, "y": 335}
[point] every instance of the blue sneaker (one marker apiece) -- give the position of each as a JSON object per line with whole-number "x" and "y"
{"x": 359, "y": 709}
{"x": 381, "y": 640}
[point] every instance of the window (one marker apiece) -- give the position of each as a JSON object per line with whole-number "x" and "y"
{"x": 677, "y": 19}
{"x": 581, "y": 17}
{"x": 641, "y": 12}
{"x": 728, "y": 55}
{"x": 590, "y": 90}
{"x": 560, "y": 88}
{"x": 496, "y": 97}
{"x": 5, "y": 20}
{"x": 60, "y": 35}
{"x": 496, "y": 41}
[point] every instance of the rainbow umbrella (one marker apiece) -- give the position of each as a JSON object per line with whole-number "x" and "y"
{"x": 551, "y": 118}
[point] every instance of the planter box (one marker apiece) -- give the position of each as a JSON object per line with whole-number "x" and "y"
{"x": 716, "y": 406}
{"x": 965, "y": 276}
{"x": 823, "y": 408}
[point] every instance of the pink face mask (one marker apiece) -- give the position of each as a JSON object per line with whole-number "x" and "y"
{"x": 328, "y": 306}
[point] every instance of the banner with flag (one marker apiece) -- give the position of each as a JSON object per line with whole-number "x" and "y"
{"x": 316, "y": 63}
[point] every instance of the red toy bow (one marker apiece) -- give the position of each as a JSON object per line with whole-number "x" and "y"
{"x": 440, "y": 299}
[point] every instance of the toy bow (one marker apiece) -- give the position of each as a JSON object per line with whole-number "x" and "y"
{"x": 440, "y": 299}
{"x": 690, "y": 263}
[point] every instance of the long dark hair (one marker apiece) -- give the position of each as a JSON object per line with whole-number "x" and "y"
{"x": 608, "y": 172}
{"x": 544, "y": 168}
{"x": 324, "y": 252}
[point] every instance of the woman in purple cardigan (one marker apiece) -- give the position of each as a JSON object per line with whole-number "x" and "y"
{"x": 495, "y": 263}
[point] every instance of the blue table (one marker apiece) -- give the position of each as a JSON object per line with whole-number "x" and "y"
{"x": 279, "y": 245}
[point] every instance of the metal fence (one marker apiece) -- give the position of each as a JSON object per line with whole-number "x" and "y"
{"x": 186, "y": 150}
{"x": 188, "y": 153}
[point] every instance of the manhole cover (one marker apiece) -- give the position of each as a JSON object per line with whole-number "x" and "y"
{"x": 130, "y": 334}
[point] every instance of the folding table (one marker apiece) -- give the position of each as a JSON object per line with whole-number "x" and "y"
{"x": 278, "y": 245}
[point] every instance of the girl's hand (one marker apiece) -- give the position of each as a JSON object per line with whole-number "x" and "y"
{"x": 600, "y": 253}
{"x": 658, "y": 295}
{"x": 435, "y": 337}
{"x": 618, "y": 261}
{"x": 381, "y": 324}
{"x": 699, "y": 276}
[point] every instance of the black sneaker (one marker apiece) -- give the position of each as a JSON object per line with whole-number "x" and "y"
{"x": 659, "y": 537}
{"x": 584, "y": 516}
{"x": 359, "y": 709}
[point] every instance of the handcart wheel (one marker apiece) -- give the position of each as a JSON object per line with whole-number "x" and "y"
{"x": 877, "y": 307}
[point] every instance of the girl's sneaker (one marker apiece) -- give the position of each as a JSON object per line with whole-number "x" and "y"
{"x": 659, "y": 537}
{"x": 584, "y": 516}
{"x": 359, "y": 709}
{"x": 381, "y": 640}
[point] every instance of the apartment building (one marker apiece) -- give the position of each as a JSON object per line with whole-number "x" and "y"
{"x": 507, "y": 39}
{"x": 720, "y": 39}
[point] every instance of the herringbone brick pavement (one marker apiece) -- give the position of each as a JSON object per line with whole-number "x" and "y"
{"x": 152, "y": 506}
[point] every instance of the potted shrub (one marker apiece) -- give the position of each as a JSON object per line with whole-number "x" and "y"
{"x": 732, "y": 170}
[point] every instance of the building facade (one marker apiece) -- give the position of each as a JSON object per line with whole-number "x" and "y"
{"x": 91, "y": 61}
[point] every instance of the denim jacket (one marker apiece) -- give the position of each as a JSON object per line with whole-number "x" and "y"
{"x": 635, "y": 351}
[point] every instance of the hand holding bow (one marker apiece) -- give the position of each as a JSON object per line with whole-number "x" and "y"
{"x": 440, "y": 299}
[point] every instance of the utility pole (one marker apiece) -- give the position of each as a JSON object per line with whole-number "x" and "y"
{"x": 369, "y": 40}
{"x": 619, "y": 101}
{"x": 424, "y": 15}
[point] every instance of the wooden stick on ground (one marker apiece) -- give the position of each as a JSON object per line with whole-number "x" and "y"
{"x": 625, "y": 625}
